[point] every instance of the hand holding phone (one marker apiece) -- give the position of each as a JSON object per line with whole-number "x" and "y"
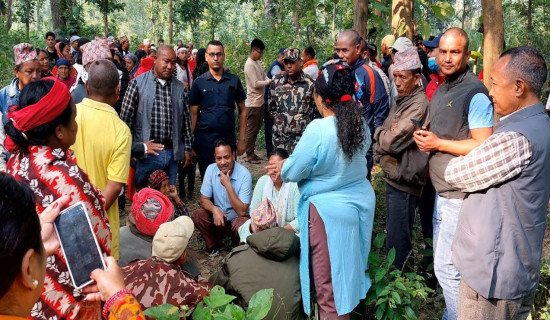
{"x": 417, "y": 124}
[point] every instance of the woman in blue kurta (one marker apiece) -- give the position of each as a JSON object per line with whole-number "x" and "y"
{"x": 336, "y": 207}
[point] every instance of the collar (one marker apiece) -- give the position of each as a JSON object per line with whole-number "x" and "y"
{"x": 13, "y": 88}
{"x": 155, "y": 78}
{"x": 451, "y": 81}
{"x": 225, "y": 75}
{"x": 358, "y": 63}
{"x": 87, "y": 102}
{"x": 134, "y": 230}
{"x": 532, "y": 109}
{"x": 414, "y": 93}
{"x": 309, "y": 63}
{"x": 301, "y": 78}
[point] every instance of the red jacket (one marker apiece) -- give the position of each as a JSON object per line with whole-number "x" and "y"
{"x": 437, "y": 80}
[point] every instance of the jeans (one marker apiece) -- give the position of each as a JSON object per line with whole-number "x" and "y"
{"x": 164, "y": 161}
{"x": 399, "y": 223}
{"x": 445, "y": 221}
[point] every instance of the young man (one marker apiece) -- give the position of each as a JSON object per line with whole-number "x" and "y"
{"x": 256, "y": 81}
{"x": 461, "y": 118}
{"x": 106, "y": 156}
{"x": 212, "y": 98}
{"x": 50, "y": 49}
{"x": 226, "y": 192}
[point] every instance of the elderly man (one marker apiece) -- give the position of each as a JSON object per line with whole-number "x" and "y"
{"x": 212, "y": 98}
{"x": 461, "y": 118}
{"x": 226, "y": 193}
{"x": 404, "y": 165}
{"x": 106, "y": 156}
{"x": 371, "y": 94}
{"x": 290, "y": 102}
{"x": 156, "y": 110}
{"x": 501, "y": 225}
{"x": 159, "y": 280}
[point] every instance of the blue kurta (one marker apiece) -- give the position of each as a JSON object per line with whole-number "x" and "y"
{"x": 345, "y": 201}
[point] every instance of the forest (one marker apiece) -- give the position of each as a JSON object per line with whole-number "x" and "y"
{"x": 492, "y": 25}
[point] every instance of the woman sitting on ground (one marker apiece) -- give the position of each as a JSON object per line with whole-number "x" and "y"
{"x": 39, "y": 132}
{"x": 27, "y": 241}
{"x": 158, "y": 180}
{"x": 284, "y": 196}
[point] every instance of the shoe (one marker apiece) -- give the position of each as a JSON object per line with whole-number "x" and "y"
{"x": 254, "y": 160}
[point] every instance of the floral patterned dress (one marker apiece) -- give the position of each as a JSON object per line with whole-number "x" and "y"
{"x": 52, "y": 173}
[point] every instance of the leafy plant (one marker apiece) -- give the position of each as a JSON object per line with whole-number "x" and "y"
{"x": 217, "y": 305}
{"x": 541, "y": 307}
{"x": 394, "y": 294}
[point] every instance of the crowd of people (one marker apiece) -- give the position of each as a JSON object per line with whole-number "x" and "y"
{"x": 91, "y": 122}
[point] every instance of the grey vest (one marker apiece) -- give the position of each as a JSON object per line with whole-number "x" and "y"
{"x": 448, "y": 112}
{"x": 498, "y": 240}
{"x": 146, "y": 89}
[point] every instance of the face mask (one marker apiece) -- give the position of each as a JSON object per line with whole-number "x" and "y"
{"x": 433, "y": 65}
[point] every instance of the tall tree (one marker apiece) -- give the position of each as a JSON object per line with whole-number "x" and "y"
{"x": 170, "y": 22}
{"x": 360, "y": 16}
{"x": 106, "y": 7}
{"x": 9, "y": 14}
{"x": 402, "y": 18}
{"x": 493, "y": 38}
{"x": 58, "y": 19}
{"x": 529, "y": 21}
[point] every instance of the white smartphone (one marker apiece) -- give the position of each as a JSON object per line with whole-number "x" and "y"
{"x": 78, "y": 244}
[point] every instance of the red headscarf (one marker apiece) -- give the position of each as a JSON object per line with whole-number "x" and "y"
{"x": 146, "y": 65}
{"x": 150, "y": 209}
{"x": 44, "y": 111}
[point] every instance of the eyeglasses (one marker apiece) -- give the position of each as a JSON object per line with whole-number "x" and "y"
{"x": 217, "y": 55}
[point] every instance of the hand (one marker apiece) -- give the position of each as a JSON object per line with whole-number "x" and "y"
{"x": 225, "y": 179}
{"x": 173, "y": 193}
{"x": 47, "y": 217}
{"x": 108, "y": 282}
{"x": 153, "y": 147}
{"x": 426, "y": 141}
{"x": 219, "y": 217}
{"x": 241, "y": 146}
{"x": 275, "y": 168}
{"x": 393, "y": 126}
{"x": 188, "y": 160}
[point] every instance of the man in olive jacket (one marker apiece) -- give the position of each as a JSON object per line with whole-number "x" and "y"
{"x": 404, "y": 165}
{"x": 270, "y": 259}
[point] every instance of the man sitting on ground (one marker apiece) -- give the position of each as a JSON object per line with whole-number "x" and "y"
{"x": 159, "y": 280}
{"x": 269, "y": 260}
{"x": 226, "y": 192}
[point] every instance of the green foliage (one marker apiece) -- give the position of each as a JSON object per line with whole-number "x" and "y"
{"x": 541, "y": 307}
{"x": 394, "y": 294}
{"x": 443, "y": 10}
{"x": 217, "y": 306}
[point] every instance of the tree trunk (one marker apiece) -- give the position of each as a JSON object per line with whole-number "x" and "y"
{"x": 403, "y": 10}
{"x": 334, "y": 21}
{"x": 268, "y": 11}
{"x": 106, "y": 18}
{"x": 360, "y": 16}
{"x": 38, "y": 16}
{"x": 9, "y": 15}
{"x": 296, "y": 14}
{"x": 170, "y": 22}
{"x": 529, "y": 21}
{"x": 493, "y": 38}
{"x": 58, "y": 19}
{"x": 27, "y": 19}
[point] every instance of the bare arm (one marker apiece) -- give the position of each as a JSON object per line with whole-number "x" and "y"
{"x": 111, "y": 192}
{"x": 428, "y": 141}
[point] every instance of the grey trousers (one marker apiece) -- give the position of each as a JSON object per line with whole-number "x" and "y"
{"x": 472, "y": 306}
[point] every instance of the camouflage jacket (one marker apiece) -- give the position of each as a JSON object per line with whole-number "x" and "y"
{"x": 155, "y": 282}
{"x": 292, "y": 108}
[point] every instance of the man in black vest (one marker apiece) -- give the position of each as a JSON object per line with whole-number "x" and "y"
{"x": 461, "y": 118}
{"x": 500, "y": 232}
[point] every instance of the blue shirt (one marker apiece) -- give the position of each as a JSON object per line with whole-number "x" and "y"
{"x": 9, "y": 96}
{"x": 241, "y": 180}
{"x": 480, "y": 112}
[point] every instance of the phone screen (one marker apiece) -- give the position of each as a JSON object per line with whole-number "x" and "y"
{"x": 79, "y": 244}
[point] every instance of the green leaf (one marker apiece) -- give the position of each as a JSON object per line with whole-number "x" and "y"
{"x": 402, "y": 28}
{"x": 380, "y": 311}
{"x": 379, "y": 275}
{"x": 400, "y": 285}
{"x": 260, "y": 304}
{"x": 476, "y": 55}
{"x": 443, "y": 10}
{"x": 379, "y": 240}
{"x": 201, "y": 313}
{"x": 391, "y": 257}
{"x": 163, "y": 312}
{"x": 218, "y": 298}
{"x": 396, "y": 297}
{"x": 234, "y": 312}
{"x": 380, "y": 7}
{"x": 374, "y": 260}
{"x": 410, "y": 314}
{"x": 423, "y": 27}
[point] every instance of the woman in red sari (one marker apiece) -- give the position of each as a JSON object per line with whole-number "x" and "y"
{"x": 39, "y": 133}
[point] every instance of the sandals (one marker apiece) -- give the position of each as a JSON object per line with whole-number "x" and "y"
{"x": 255, "y": 160}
